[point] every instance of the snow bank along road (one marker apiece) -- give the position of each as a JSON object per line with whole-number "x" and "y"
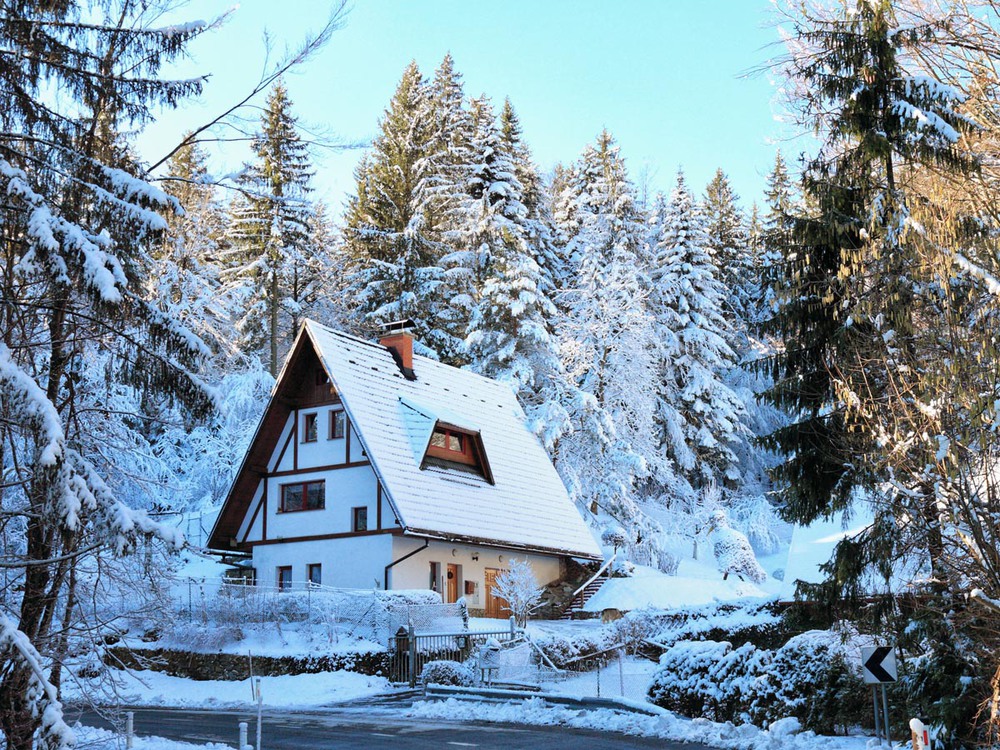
{"x": 368, "y": 728}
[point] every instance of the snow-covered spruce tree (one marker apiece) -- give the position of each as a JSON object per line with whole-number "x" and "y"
{"x": 864, "y": 311}
{"x": 699, "y": 419}
{"x": 539, "y": 227}
{"x": 392, "y": 232}
{"x": 79, "y": 227}
{"x": 186, "y": 276}
{"x": 510, "y": 335}
{"x": 270, "y": 270}
{"x": 607, "y": 346}
{"x": 728, "y": 246}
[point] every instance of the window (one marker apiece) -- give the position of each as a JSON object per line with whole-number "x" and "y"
{"x": 309, "y": 431}
{"x": 303, "y": 496}
{"x": 360, "y": 519}
{"x": 338, "y": 424}
{"x": 284, "y": 578}
{"x": 315, "y": 574}
{"x": 453, "y": 442}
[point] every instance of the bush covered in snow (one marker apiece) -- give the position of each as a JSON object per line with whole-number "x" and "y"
{"x": 707, "y": 678}
{"x": 813, "y": 677}
{"x": 733, "y": 552}
{"x": 446, "y": 673}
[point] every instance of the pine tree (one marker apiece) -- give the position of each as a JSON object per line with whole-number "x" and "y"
{"x": 699, "y": 417}
{"x": 269, "y": 232}
{"x": 186, "y": 275}
{"x": 79, "y": 226}
{"x": 392, "y": 232}
{"x": 849, "y": 309}
{"x": 607, "y": 342}
{"x": 726, "y": 239}
{"x": 510, "y": 331}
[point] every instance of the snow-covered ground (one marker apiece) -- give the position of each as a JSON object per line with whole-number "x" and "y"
{"x": 147, "y": 688}
{"x": 695, "y": 583}
{"x": 782, "y": 735}
{"x": 93, "y": 738}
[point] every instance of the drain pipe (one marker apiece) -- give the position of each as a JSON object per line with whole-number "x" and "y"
{"x": 385, "y": 585}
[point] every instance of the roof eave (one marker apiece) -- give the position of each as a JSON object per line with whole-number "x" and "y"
{"x": 501, "y": 544}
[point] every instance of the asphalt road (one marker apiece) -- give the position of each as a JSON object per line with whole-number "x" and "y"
{"x": 368, "y": 727}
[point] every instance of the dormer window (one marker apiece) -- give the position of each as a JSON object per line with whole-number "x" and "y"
{"x": 452, "y": 447}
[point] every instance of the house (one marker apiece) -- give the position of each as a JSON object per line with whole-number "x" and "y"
{"x": 375, "y": 468}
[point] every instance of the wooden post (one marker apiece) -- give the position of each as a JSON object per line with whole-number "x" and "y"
{"x": 413, "y": 655}
{"x": 129, "y": 729}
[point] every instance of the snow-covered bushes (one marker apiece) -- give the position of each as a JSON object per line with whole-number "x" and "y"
{"x": 733, "y": 552}
{"x": 446, "y": 673}
{"x": 813, "y": 677}
{"x": 707, "y": 678}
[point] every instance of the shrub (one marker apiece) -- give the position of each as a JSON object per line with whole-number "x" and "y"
{"x": 446, "y": 673}
{"x": 707, "y": 678}
{"x": 812, "y": 678}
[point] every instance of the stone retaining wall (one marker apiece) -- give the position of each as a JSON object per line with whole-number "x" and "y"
{"x": 237, "y": 666}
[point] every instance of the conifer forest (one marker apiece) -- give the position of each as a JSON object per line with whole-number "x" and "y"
{"x": 707, "y": 371}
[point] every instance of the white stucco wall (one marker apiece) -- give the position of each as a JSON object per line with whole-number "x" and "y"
{"x": 414, "y": 573}
{"x": 351, "y": 562}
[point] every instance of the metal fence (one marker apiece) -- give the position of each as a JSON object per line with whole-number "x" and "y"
{"x": 374, "y": 615}
{"x": 608, "y": 673}
{"x": 409, "y": 650}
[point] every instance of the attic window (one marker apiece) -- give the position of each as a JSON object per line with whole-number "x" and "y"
{"x": 452, "y": 447}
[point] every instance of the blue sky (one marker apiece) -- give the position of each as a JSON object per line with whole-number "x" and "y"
{"x": 664, "y": 76}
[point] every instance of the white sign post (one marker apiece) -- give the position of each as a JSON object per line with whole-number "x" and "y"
{"x": 878, "y": 669}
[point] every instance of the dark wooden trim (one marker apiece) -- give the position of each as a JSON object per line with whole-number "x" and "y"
{"x": 322, "y": 537}
{"x": 253, "y": 518}
{"x": 378, "y": 504}
{"x": 329, "y": 467}
{"x": 283, "y": 449}
{"x": 347, "y": 437}
{"x": 313, "y": 404}
{"x": 295, "y": 446}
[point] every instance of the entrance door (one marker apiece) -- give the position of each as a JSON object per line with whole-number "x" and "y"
{"x": 495, "y": 605}
{"x": 452, "y": 583}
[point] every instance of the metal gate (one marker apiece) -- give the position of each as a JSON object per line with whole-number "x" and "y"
{"x": 409, "y": 651}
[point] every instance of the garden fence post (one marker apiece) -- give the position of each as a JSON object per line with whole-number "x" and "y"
{"x": 260, "y": 711}
{"x": 129, "y": 728}
{"x": 413, "y": 655}
{"x": 243, "y": 735}
{"x": 513, "y": 627}
{"x": 621, "y": 675}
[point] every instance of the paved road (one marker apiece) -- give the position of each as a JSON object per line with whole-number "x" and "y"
{"x": 348, "y": 727}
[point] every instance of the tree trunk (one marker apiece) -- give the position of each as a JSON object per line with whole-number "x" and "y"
{"x": 273, "y": 327}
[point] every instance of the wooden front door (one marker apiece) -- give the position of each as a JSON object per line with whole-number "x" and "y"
{"x": 495, "y": 605}
{"x": 452, "y": 583}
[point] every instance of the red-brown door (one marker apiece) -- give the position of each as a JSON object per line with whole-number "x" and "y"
{"x": 452, "y": 583}
{"x": 495, "y": 605}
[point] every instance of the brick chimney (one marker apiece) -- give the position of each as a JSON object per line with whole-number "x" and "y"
{"x": 397, "y": 338}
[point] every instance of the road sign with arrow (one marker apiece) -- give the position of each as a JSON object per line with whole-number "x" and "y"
{"x": 878, "y": 664}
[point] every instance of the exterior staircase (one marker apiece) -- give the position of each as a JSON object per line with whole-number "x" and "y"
{"x": 582, "y": 597}
{"x": 590, "y": 587}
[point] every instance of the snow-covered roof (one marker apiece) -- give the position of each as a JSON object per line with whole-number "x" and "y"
{"x": 525, "y": 507}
